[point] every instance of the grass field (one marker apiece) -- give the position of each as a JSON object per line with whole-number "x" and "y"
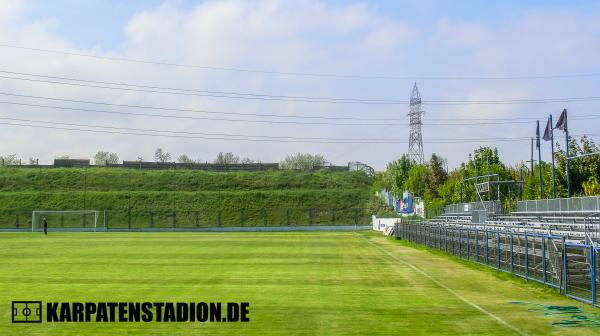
{"x": 311, "y": 283}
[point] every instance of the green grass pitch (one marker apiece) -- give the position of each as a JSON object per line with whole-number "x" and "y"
{"x": 297, "y": 283}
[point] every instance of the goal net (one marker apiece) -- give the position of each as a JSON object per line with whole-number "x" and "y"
{"x": 85, "y": 220}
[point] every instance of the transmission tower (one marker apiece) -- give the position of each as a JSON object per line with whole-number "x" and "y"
{"x": 415, "y": 139}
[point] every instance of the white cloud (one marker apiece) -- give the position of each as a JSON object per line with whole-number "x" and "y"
{"x": 10, "y": 10}
{"x": 298, "y": 36}
{"x": 306, "y": 36}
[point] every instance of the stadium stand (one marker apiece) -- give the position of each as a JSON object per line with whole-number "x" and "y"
{"x": 553, "y": 241}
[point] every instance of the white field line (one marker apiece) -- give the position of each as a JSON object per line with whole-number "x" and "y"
{"x": 451, "y": 291}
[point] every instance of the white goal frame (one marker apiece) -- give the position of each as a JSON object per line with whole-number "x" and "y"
{"x": 38, "y": 214}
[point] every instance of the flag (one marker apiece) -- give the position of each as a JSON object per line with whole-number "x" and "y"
{"x": 561, "y": 124}
{"x": 547, "y": 131}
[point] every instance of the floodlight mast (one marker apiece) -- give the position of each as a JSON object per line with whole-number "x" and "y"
{"x": 415, "y": 138}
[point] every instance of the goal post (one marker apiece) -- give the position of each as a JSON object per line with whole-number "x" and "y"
{"x": 76, "y": 220}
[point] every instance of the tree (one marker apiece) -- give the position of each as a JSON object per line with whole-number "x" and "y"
{"x": 450, "y": 190}
{"x": 436, "y": 176}
{"x": 185, "y": 159}
{"x": 102, "y": 158}
{"x": 32, "y": 161}
{"x": 397, "y": 173}
{"x": 591, "y": 187}
{"x": 302, "y": 161}
{"x": 227, "y": 158}
{"x": 161, "y": 156}
{"x": 582, "y": 169}
{"x": 415, "y": 183}
{"x": 9, "y": 160}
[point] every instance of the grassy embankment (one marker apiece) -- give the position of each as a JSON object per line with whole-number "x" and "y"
{"x": 139, "y": 198}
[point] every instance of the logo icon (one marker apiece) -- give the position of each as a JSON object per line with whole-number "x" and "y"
{"x": 27, "y": 312}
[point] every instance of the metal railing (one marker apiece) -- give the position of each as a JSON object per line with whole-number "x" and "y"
{"x": 468, "y": 208}
{"x": 573, "y": 205}
{"x": 545, "y": 258}
{"x": 591, "y": 224}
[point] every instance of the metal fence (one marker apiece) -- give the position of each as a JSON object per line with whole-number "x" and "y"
{"x": 545, "y": 258}
{"x": 590, "y": 204}
{"x": 468, "y": 208}
{"x": 161, "y": 219}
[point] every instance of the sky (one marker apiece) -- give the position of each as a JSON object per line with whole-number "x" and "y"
{"x": 472, "y": 61}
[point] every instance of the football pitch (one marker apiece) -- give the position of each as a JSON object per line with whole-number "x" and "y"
{"x": 296, "y": 283}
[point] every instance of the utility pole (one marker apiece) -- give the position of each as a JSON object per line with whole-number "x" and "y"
{"x": 539, "y": 147}
{"x": 531, "y": 160}
{"x": 553, "y": 166}
{"x": 567, "y": 155}
{"x": 522, "y": 181}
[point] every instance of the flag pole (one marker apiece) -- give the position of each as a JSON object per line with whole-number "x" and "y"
{"x": 539, "y": 147}
{"x": 553, "y": 167}
{"x": 567, "y": 156}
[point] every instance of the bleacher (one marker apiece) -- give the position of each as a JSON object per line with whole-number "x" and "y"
{"x": 574, "y": 206}
{"x": 555, "y": 241}
{"x": 577, "y": 218}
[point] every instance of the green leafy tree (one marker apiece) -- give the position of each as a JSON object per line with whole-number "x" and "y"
{"x": 102, "y": 158}
{"x": 183, "y": 158}
{"x": 436, "y": 176}
{"x": 9, "y": 160}
{"x": 396, "y": 174}
{"x": 302, "y": 161}
{"x": 415, "y": 182}
{"x": 591, "y": 187}
{"x": 582, "y": 169}
{"x": 227, "y": 158}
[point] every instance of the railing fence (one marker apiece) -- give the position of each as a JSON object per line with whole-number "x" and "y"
{"x": 545, "y": 258}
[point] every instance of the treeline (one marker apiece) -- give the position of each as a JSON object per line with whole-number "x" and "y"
{"x": 438, "y": 186}
{"x": 298, "y": 161}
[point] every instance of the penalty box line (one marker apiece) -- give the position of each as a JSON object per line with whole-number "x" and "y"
{"x": 450, "y": 290}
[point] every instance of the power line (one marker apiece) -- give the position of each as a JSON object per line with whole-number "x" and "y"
{"x": 193, "y": 110}
{"x": 190, "y": 135}
{"x": 269, "y": 114}
{"x": 182, "y": 93}
{"x": 195, "y": 117}
{"x": 305, "y": 74}
{"x": 208, "y": 92}
{"x": 367, "y": 102}
{"x": 461, "y": 122}
{"x": 204, "y": 135}
{"x": 168, "y": 116}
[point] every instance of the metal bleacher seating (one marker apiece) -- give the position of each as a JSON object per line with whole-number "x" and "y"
{"x": 577, "y": 218}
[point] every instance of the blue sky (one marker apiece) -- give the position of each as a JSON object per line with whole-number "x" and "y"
{"x": 389, "y": 38}
{"x": 100, "y": 22}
